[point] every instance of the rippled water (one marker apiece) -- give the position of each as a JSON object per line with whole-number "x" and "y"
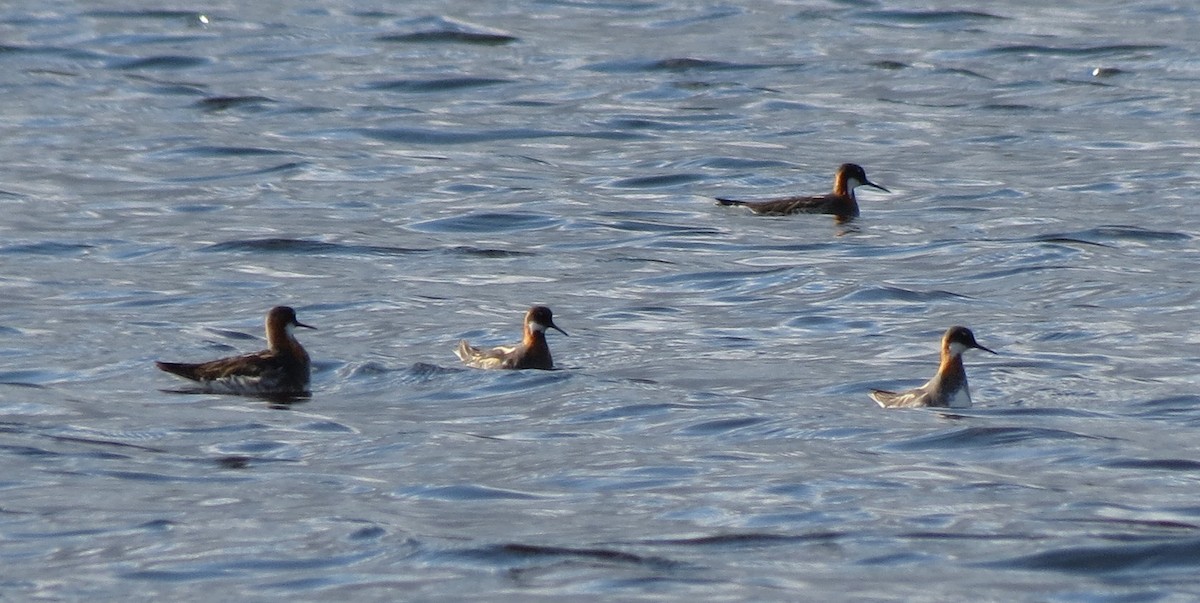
{"x": 411, "y": 174}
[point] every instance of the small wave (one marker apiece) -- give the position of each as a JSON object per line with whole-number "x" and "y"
{"x": 924, "y": 17}
{"x": 1106, "y": 560}
{"x": 1012, "y": 107}
{"x": 160, "y": 62}
{"x": 678, "y": 65}
{"x": 256, "y": 447}
{"x": 424, "y": 372}
{"x": 369, "y": 369}
{"x": 1106, "y": 236}
{"x": 304, "y": 246}
{"x": 282, "y": 167}
{"x": 960, "y": 71}
{"x": 890, "y": 294}
{"x": 1169, "y": 406}
{"x": 56, "y": 51}
{"x": 644, "y": 221}
{"x": 642, "y": 123}
{"x": 468, "y": 492}
{"x": 507, "y": 382}
{"x": 487, "y": 222}
{"x": 219, "y": 151}
{"x": 714, "y": 280}
{"x": 165, "y": 478}
{"x": 157, "y": 86}
{"x": 487, "y": 252}
{"x": 10, "y": 383}
{"x": 32, "y": 377}
{"x": 722, "y": 426}
{"x": 522, "y": 558}
{"x": 449, "y": 137}
{"x": 663, "y": 181}
{"x": 740, "y": 163}
{"x": 1046, "y": 412}
{"x": 125, "y": 15}
{"x": 28, "y": 451}
{"x": 325, "y": 427}
{"x": 47, "y": 248}
{"x": 1062, "y": 238}
{"x": 1007, "y": 272}
{"x": 436, "y": 84}
{"x": 98, "y": 440}
{"x": 458, "y": 37}
{"x": 533, "y": 550}
{"x": 630, "y": 411}
{"x": 221, "y": 103}
{"x": 749, "y": 540}
{"x": 445, "y": 30}
{"x": 985, "y": 437}
{"x": 1134, "y": 233}
{"x": 1085, "y": 51}
{"x": 1156, "y": 464}
{"x": 233, "y": 462}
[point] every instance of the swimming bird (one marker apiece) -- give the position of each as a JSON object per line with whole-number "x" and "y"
{"x": 948, "y": 388}
{"x": 531, "y": 353}
{"x": 840, "y": 202}
{"x": 282, "y": 368}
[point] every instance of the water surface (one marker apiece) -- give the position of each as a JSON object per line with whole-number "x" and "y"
{"x": 406, "y": 176}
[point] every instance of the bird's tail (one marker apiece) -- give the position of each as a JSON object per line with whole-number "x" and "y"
{"x": 465, "y": 351}
{"x": 187, "y": 371}
{"x": 721, "y": 201}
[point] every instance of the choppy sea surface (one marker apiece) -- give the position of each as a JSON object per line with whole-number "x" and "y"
{"x": 409, "y": 174}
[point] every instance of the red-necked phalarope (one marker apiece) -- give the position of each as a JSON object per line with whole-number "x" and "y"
{"x": 282, "y": 368}
{"x": 531, "y": 353}
{"x": 948, "y": 388}
{"x": 840, "y": 202}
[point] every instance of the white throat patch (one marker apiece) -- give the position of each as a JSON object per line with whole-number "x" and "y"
{"x": 961, "y": 398}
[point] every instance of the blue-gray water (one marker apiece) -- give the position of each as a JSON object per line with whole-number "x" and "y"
{"x": 407, "y": 174}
